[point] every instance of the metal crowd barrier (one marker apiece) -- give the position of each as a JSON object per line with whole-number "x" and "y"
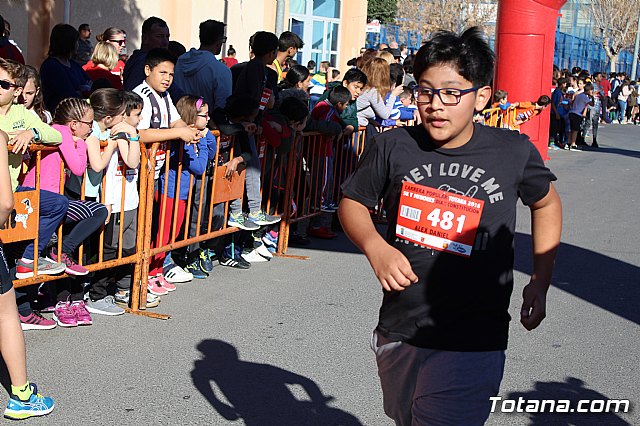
{"x": 295, "y": 184}
{"x": 497, "y": 117}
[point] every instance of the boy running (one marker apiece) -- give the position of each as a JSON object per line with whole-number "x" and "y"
{"x": 450, "y": 188}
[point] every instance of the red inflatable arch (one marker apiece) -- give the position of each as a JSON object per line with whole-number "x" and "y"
{"x": 525, "y": 43}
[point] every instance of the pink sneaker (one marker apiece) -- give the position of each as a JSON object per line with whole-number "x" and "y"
{"x": 71, "y": 266}
{"x": 166, "y": 284}
{"x": 35, "y": 321}
{"x": 155, "y": 287}
{"x": 83, "y": 317}
{"x": 64, "y": 315}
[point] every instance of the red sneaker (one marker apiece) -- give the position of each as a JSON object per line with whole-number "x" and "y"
{"x": 323, "y": 233}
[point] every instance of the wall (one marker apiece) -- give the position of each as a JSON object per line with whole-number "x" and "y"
{"x": 32, "y": 20}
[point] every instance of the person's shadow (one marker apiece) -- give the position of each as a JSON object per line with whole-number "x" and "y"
{"x": 261, "y": 394}
{"x": 573, "y": 390}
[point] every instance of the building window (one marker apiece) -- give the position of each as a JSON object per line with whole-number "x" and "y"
{"x": 317, "y": 22}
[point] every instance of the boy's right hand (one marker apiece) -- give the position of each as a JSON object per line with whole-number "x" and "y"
{"x": 188, "y": 134}
{"x": 397, "y": 91}
{"x": 392, "y": 268}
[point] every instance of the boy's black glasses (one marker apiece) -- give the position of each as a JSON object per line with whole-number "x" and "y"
{"x": 424, "y": 95}
{"x": 6, "y": 85}
{"x": 120, "y": 42}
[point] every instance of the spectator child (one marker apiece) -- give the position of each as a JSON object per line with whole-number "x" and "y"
{"x": 257, "y": 81}
{"x": 73, "y": 118}
{"x": 161, "y": 122}
{"x": 288, "y": 45}
{"x": 408, "y": 110}
{"x": 23, "y": 128}
{"x": 122, "y": 200}
{"x": 24, "y": 399}
{"x": 527, "y": 110}
{"x": 32, "y": 95}
{"x": 108, "y": 107}
{"x": 577, "y": 113}
{"x": 321, "y": 156}
{"x": 194, "y": 162}
{"x": 354, "y": 80}
{"x": 318, "y": 83}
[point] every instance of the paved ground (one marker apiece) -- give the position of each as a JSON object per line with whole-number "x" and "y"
{"x": 286, "y": 343}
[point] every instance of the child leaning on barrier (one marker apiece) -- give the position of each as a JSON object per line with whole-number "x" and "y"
{"x": 117, "y": 171}
{"x": 73, "y": 118}
{"x": 108, "y": 126}
{"x": 195, "y": 157}
{"x": 24, "y": 399}
{"x": 161, "y": 122}
{"x": 25, "y": 128}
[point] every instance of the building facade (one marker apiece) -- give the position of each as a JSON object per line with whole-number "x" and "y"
{"x": 332, "y": 30}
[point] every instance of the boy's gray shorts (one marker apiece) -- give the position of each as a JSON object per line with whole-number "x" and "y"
{"x": 432, "y": 387}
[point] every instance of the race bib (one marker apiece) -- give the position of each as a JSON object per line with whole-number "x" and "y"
{"x": 438, "y": 219}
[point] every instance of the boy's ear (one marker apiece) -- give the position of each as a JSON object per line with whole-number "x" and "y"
{"x": 17, "y": 92}
{"x": 147, "y": 70}
{"x": 483, "y": 96}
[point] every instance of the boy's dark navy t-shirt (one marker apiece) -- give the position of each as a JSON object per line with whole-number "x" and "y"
{"x": 459, "y": 303}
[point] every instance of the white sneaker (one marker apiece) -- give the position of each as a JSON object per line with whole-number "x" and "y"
{"x": 264, "y": 252}
{"x": 176, "y": 274}
{"x": 253, "y": 257}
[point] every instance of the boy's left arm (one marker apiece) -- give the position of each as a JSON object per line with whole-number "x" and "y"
{"x": 546, "y": 227}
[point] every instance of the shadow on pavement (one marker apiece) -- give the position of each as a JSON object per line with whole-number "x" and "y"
{"x": 261, "y": 394}
{"x": 618, "y": 151}
{"x": 572, "y": 390}
{"x": 606, "y": 282}
{"x": 601, "y": 280}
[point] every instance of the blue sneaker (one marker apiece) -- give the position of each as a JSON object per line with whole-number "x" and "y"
{"x": 37, "y": 405}
{"x": 195, "y": 269}
{"x": 205, "y": 261}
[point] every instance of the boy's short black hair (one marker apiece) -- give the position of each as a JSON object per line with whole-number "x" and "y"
{"x": 562, "y": 81}
{"x": 211, "y": 31}
{"x": 543, "y": 100}
{"x": 157, "y": 56}
{"x": 132, "y": 101}
{"x": 588, "y": 87}
{"x": 288, "y": 39}
{"x": 468, "y": 52}
{"x": 355, "y": 75}
{"x": 239, "y": 106}
{"x": 150, "y": 22}
{"x": 397, "y": 74}
{"x": 263, "y": 43}
{"x": 294, "y": 109}
{"x": 339, "y": 95}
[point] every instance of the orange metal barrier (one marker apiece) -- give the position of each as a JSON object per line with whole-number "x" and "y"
{"x": 497, "y": 117}
{"x": 296, "y": 182}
